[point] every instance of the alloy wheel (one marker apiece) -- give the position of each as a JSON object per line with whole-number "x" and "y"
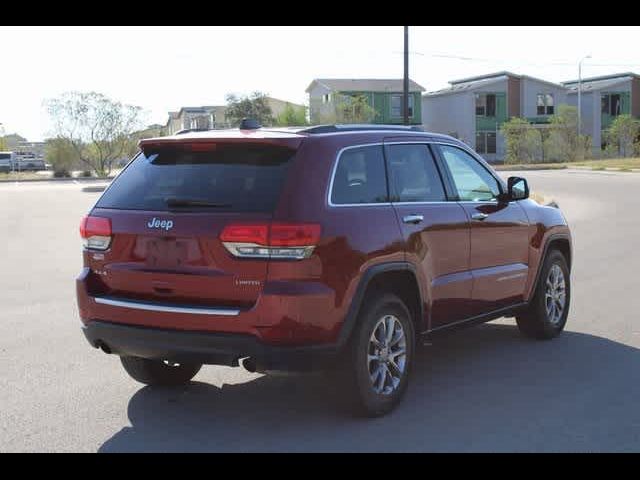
{"x": 387, "y": 355}
{"x": 555, "y": 294}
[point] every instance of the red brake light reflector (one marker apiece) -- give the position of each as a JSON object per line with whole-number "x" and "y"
{"x": 95, "y": 226}
{"x": 246, "y": 233}
{"x": 294, "y": 235}
{"x": 96, "y": 232}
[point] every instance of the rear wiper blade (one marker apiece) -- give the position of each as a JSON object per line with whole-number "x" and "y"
{"x": 194, "y": 202}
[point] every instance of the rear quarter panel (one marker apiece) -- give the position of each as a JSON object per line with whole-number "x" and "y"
{"x": 353, "y": 239}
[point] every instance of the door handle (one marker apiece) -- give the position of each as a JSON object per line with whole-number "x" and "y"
{"x": 479, "y": 216}
{"x": 413, "y": 219}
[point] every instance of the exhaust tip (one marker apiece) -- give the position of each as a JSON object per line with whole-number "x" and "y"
{"x": 249, "y": 364}
{"x": 103, "y": 346}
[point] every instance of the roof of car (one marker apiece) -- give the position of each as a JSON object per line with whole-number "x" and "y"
{"x": 296, "y": 132}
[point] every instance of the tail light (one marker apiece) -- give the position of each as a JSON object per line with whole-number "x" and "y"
{"x": 95, "y": 232}
{"x": 293, "y": 241}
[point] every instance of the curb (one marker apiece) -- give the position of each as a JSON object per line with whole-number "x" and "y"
{"x": 63, "y": 180}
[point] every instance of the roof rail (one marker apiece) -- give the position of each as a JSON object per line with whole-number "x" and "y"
{"x": 360, "y": 127}
{"x": 189, "y": 130}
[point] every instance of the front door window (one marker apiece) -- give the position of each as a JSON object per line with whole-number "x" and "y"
{"x": 471, "y": 180}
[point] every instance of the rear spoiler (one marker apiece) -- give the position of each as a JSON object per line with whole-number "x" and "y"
{"x": 206, "y": 143}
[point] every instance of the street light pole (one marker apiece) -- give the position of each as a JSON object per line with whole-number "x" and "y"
{"x": 405, "y": 96}
{"x": 580, "y": 94}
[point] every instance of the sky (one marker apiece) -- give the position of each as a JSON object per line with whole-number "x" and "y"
{"x": 164, "y": 68}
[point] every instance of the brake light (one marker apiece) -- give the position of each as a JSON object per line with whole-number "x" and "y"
{"x": 245, "y": 233}
{"x": 293, "y": 241}
{"x": 95, "y": 232}
{"x": 293, "y": 235}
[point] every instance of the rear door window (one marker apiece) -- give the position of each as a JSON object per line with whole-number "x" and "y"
{"x": 413, "y": 175}
{"x": 360, "y": 177}
{"x": 226, "y": 177}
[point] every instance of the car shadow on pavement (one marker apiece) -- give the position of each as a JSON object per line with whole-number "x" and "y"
{"x": 482, "y": 389}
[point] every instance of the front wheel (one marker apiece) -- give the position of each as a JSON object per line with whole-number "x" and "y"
{"x": 546, "y": 315}
{"x": 381, "y": 355}
{"x": 159, "y": 372}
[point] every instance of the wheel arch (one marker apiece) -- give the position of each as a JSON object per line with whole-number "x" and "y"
{"x": 398, "y": 278}
{"x": 560, "y": 242}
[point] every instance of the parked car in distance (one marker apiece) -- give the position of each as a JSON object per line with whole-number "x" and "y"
{"x": 333, "y": 247}
{"x": 28, "y": 163}
{"x": 6, "y": 162}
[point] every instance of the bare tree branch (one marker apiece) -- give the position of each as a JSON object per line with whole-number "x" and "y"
{"x": 95, "y": 127}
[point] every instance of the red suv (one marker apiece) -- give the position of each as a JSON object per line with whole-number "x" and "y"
{"x": 289, "y": 249}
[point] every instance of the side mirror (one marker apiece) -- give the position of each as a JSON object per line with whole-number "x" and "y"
{"x": 517, "y": 188}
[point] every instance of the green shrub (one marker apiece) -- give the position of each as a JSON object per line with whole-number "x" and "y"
{"x": 61, "y": 173}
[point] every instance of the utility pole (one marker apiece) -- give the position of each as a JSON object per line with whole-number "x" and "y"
{"x": 405, "y": 96}
{"x": 580, "y": 94}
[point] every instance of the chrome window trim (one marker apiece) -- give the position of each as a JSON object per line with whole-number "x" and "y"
{"x": 425, "y": 202}
{"x": 154, "y": 307}
{"x": 407, "y": 142}
{"x": 333, "y": 177}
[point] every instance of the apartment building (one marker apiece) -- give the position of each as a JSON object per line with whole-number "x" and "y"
{"x": 603, "y": 99}
{"x": 473, "y": 109}
{"x": 383, "y": 95}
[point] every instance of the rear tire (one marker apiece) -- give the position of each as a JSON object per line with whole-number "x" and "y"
{"x": 159, "y": 372}
{"x": 380, "y": 356}
{"x": 546, "y": 315}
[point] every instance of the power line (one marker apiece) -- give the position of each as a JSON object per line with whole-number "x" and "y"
{"x": 519, "y": 62}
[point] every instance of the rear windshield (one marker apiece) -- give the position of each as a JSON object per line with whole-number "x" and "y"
{"x": 5, "y": 156}
{"x": 230, "y": 178}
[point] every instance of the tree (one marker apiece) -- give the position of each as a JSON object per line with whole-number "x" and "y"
{"x": 623, "y": 135}
{"x": 347, "y": 109}
{"x": 523, "y": 143}
{"x": 255, "y": 106}
{"x": 564, "y": 144}
{"x": 97, "y": 128}
{"x": 62, "y": 156}
{"x": 292, "y": 116}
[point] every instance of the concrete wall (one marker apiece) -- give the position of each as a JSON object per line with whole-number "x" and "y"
{"x": 279, "y": 106}
{"x": 591, "y": 116}
{"x": 452, "y": 114}
{"x": 316, "y": 107}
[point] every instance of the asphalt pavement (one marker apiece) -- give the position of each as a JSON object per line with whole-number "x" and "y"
{"x": 483, "y": 389}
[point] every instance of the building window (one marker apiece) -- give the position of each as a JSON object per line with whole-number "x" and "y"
{"x": 486, "y": 143}
{"x": 611, "y": 104}
{"x": 545, "y": 104}
{"x": 396, "y": 106}
{"x": 326, "y": 98}
{"x": 485, "y": 105}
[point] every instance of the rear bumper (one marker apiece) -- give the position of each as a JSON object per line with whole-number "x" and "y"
{"x": 292, "y": 314}
{"x": 204, "y": 347}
